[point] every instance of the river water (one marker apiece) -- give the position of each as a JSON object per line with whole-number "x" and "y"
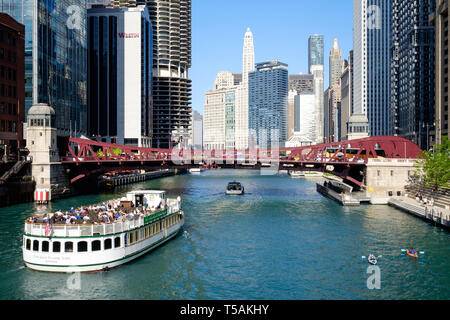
{"x": 281, "y": 240}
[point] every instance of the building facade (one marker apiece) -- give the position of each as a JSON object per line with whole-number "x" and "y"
{"x": 372, "y": 61}
{"x": 268, "y": 104}
{"x": 12, "y": 86}
{"x": 120, "y": 75}
{"x": 318, "y": 72}
{"x": 197, "y": 130}
{"x": 315, "y": 51}
{"x": 412, "y": 71}
{"x": 346, "y": 95}
{"x": 440, "y": 20}
{"x": 56, "y": 60}
{"x": 335, "y": 64}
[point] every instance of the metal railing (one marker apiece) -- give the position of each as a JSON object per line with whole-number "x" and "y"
{"x": 39, "y": 229}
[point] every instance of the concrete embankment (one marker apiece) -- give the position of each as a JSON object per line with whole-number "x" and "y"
{"x": 121, "y": 180}
{"x": 435, "y": 215}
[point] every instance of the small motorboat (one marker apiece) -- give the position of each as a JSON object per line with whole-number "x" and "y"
{"x": 372, "y": 259}
{"x": 235, "y": 188}
{"x": 297, "y": 174}
{"x": 412, "y": 253}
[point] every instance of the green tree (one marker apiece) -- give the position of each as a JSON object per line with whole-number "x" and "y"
{"x": 434, "y": 167}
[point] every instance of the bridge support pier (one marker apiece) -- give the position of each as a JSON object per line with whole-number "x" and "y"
{"x": 47, "y": 171}
{"x": 387, "y": 178}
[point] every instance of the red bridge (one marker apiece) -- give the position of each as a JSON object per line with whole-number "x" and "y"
{"x": 345, "y": 159}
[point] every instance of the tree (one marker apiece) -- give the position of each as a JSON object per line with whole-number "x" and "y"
{"x": 434, "y": 167}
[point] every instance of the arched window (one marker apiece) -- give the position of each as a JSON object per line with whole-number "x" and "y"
{"x": 35, "y": 245}
{"x": 96, "y": 245}
{"x": 82, "y": 246}
{"x": 56, "y": 246}
{"x": 28, "y": 246}
{"x": 108, "y": 244}
{"x": 45, "y": 246}
{"x": 68, "y": 246}
{"x": 117, "y": 242}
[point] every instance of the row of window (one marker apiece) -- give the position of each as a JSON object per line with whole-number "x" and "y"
{"x": 10, "y": 108}
{"x": 8, "y": 73}
{"x": 7, "y": 54}
{"x": 8, "y": 126}
{"x": 8, "y": 37}
{"x": 82, "y": 246}
{"x": 96, "y": 245}
{"x": 8, "y": 91}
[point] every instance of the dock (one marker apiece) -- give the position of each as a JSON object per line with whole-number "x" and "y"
{"x": 344, "y": 199}
{"x": 122, "y": 180}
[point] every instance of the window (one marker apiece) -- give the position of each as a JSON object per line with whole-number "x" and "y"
{"x": 117, "y": 242}
{"x": 56, "y": 246}
{"x": 82, "y": 246}
{"x": 28, "y": 245}
{"x": 35, "y": 245}
{"x": 68, "y": 247}
{"x": 96, "y": 245}
{"x": 131, "y": 237}
{"x": 108, "y": 244}
{"x": 45, "y": 246}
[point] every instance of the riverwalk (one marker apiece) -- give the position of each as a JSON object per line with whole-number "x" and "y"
{"x": 433, "y": 214}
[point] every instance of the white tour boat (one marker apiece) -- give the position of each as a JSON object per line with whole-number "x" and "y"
{"x": 143, "y": 221}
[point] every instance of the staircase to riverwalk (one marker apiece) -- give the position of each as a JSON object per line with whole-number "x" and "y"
{"x": 441, "y": 196}
{"x": 13, "y": 171}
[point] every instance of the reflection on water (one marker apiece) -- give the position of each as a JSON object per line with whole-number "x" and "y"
{"x": 281, "y": 240}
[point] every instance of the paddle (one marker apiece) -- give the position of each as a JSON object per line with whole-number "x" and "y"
{"x": 421, "y": 252}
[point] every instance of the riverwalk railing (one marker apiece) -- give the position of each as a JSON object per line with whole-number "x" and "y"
{"x": 92, "y": 230}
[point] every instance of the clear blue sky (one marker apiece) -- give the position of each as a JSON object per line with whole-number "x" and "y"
{"x": 280, "y": 29}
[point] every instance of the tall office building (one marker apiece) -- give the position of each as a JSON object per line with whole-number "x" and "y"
{"x": 301, "y": 82}
{"x": 197, "y": 131}
{"x": 12, "y": 83}
{"x": 315, "y": 51}
{"x": 346, "y": 95}
{"x": 242, "y": 93}
{"x": 372, "y": 60}
{"x": 220, "y": 113}
{"x": 56, "y": 60}
{"x": 120, "y": 75}
{"x": 318, "y": 128}
{"x": 412, "y": 87}
{"x": 335, "y": 64}
{"x": 440, "y": 20}
{"x": 268, "y": 104}
{"x": 172, "y": 88}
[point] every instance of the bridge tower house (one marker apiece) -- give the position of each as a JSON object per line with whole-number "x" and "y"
{"x": 47, "y": 171}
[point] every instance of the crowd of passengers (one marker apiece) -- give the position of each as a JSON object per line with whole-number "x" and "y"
{"x": 106, "y": 212}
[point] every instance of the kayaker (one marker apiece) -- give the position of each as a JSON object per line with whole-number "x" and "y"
{"x": 412, "y": 251}
{"x": 372, "y": 257}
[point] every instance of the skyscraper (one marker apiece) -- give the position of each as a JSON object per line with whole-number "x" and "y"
{"x": 318, "y": 128}
{"x": 172, "y": 88}
{"x": 372, "y": 60}
{"x": 120, "y": 75}
{"x": 335, "y": 64}
{"x": 346, "y": 95}
{"x": 412, "y": 105}
{"x": 56, "y": 61}
{"x": 315, "y": 51}
{"x": 440, "y": 20}
{"x": 242, "y": 93}
{"x": 268, "y": 104}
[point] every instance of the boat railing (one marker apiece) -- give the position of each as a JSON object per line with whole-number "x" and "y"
{"x": 39, "y": 229}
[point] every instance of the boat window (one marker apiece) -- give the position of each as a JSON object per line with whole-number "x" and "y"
{"x": 82, "y": 246}
{"x": 136, "y": 235}
{"x": 68, "y": 246}
{"x": 35, "y": 245}
{"x": 56, "y": 246}
{"x": 28, "y": 244}
{"x": 108, "y": 244}
{"x": 126, "y": 239}
{"x": 96, "y": 245}
{"x": 131, "y": 237}
{"x": 117, "y": 242}
{"x": 45, "y": 246}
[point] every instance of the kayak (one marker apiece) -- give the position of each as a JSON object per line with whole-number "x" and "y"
{"x": 415, "y": 255}
{"x": 374, "y": 262}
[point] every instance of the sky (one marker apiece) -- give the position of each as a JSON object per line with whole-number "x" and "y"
{"x": 280, "y": 30}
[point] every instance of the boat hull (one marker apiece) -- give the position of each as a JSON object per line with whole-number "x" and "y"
{"x": 98, "y": 261}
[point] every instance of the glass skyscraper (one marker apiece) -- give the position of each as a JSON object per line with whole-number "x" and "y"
{"x": 55, "y": 58}
{"x": 315, "y": 51}
{"x": 268, "y": 104}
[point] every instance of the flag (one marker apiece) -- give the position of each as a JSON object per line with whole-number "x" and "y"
{"x": 48, "y": 229}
